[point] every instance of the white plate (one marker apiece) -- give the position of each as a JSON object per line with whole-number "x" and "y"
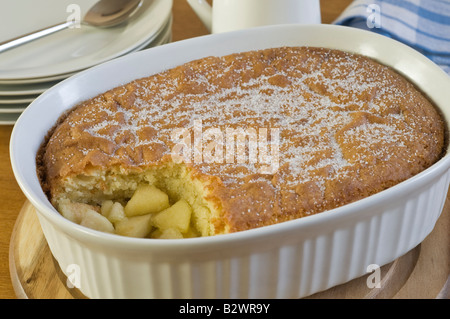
{"x": 16, "y": 109}
{"x": 13, "y": 100}
{"x": 54, "y": 78}
{"x": 32, "y": 82}
{"x": 72, "y": 49}
{"x": 161, "y": 37}
{"x": 9, "y": 118}
{"x": 164, "y": 37}
{"x": 25, "y": 89}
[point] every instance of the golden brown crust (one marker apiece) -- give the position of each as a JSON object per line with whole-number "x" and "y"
{"x": 348, "y": 126}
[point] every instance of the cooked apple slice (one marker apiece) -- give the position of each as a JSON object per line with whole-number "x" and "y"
{"x": 85, "y": 215}
{"x": 106, "y": 206}
{"x": 170, "y": 233}
{"x": 177, "y": 216}
{"x": 137, "y": 226}
{"x": 147, "y": 199}
{"x": 190, "y": 233}
{"x": 95, "y": 220}
{"x": 114, "y": 211}
{"x": 117, "y": 213}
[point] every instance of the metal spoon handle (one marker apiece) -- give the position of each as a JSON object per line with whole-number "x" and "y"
{"x": 12, "y": 43}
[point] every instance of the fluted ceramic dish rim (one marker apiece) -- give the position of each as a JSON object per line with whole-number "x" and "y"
{"x": 67, "y": 94}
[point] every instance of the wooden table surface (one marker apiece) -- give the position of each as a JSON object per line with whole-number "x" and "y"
{"x": 185, "y": 25}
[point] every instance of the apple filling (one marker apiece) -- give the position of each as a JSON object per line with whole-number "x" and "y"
{"x": 148, "y": 214}
{"x": 163, "y": 202}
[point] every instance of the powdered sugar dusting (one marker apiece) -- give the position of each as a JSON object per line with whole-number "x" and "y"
{"x": 334, "y": 111}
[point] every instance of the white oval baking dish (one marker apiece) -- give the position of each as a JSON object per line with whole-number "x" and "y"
{"x": 287, "y": 260}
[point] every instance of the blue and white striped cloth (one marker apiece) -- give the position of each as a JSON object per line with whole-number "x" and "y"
{"x": 421, "y": 24}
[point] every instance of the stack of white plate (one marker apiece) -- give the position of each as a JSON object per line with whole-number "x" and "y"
{"x": 29, "y": 70}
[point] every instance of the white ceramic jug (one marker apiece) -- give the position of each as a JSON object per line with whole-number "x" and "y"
{"x": 229, "y": 15}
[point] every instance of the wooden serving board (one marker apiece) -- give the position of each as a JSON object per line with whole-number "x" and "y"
{"x": 422, "y": 273}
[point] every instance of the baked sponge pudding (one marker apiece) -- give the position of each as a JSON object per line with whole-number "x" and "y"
{"x": 318, "y": 128}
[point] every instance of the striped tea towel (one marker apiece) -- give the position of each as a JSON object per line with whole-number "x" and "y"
{"x": 421, "y": 24}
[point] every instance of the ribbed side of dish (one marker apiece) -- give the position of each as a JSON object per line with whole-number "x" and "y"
{"x": 291, "y": 264}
